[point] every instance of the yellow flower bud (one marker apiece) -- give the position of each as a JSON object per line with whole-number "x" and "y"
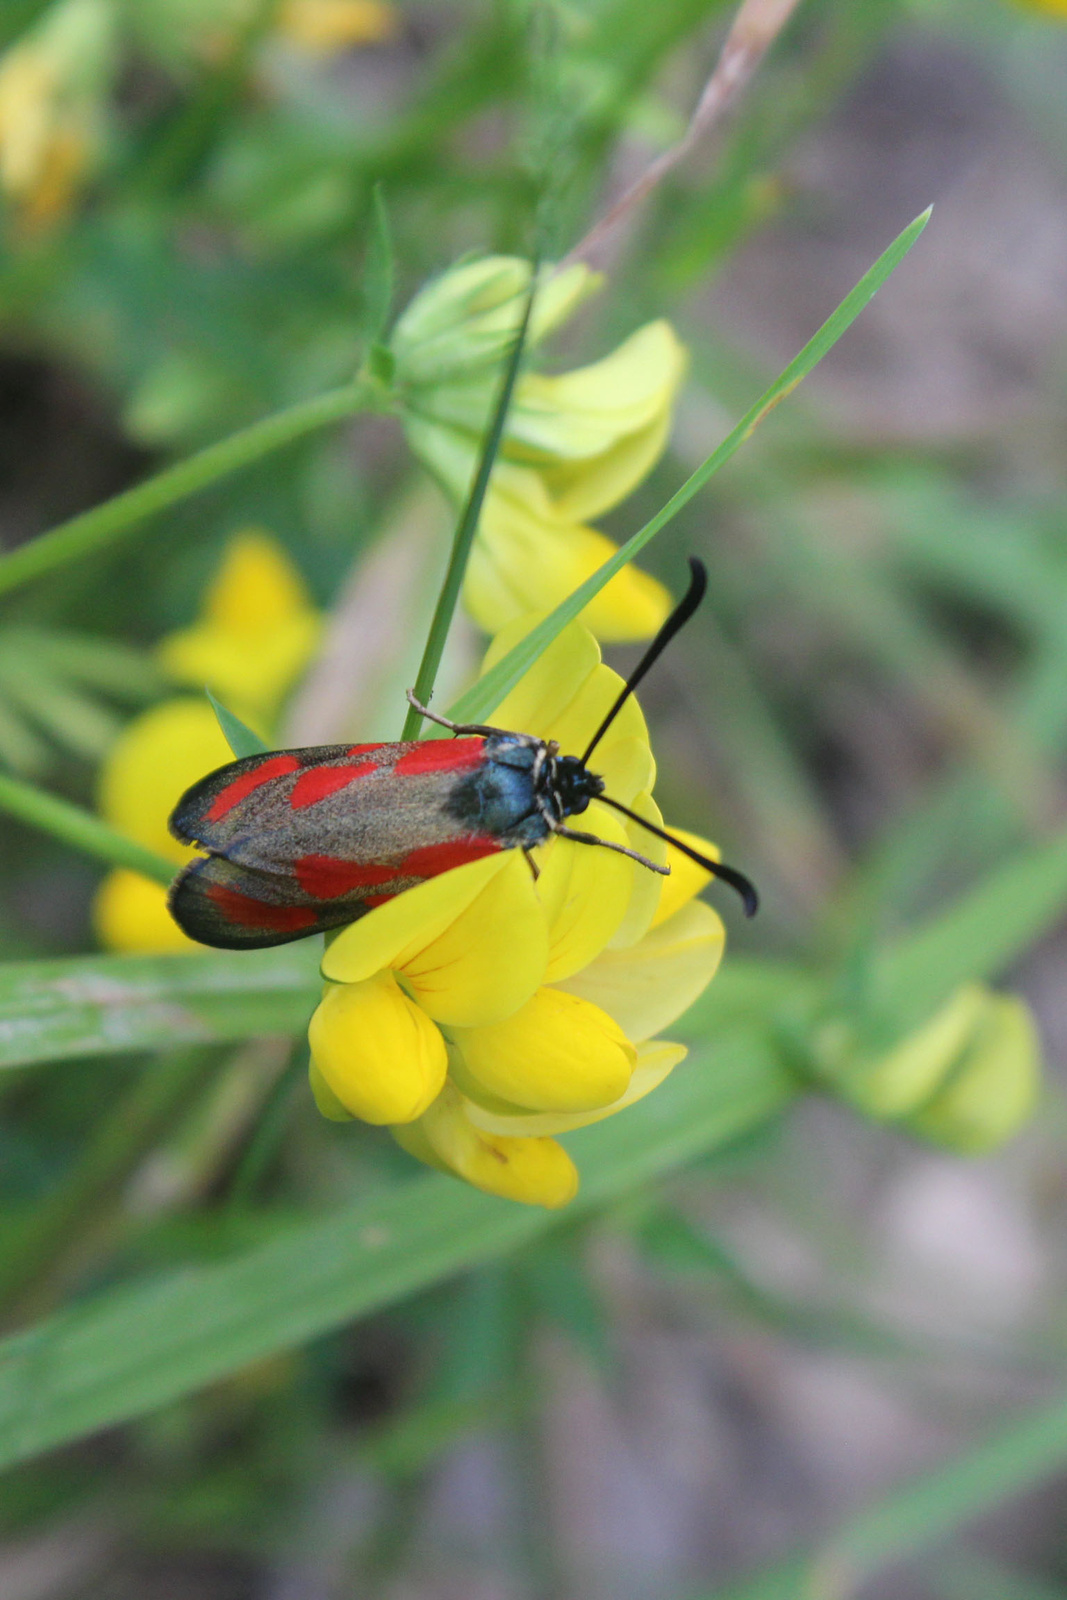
{"x": 992, "y": 1090}
{"x": 377, "y": 1051}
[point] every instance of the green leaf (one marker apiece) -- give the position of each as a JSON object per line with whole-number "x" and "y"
{"x": 240, "y": 738}
{"x": 105, "y": 1005}
{"x": 485, "y": 695}
{"x": 378, "y": 270}
{"x": 80, "y": 829}
{"x": 127, "y": 1351}
{"x": 977, "y": 937}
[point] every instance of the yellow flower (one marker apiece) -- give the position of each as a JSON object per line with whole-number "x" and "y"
{"x": 1050, "y": 8}
{"x": 486, "y": 1010}
{"x": 255, "y": 635}
{"x": 968, "y": 1078}
{"x": 324, "y": 26}
{"x": 257, "y": 630}
{"x": 53, "y": 89}
{"x": 575, "y": 443}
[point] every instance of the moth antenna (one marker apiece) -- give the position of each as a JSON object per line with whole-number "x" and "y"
{"x": 607, "y": 844}
{"x": 737, "y": 880}
{"x": 698, "y": 583}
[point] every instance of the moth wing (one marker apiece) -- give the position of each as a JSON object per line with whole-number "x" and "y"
{"x": 371, "y": 805}
{"x": 217, "y": 902}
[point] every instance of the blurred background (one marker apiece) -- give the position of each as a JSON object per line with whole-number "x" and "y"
{"x": 716, "y": 1370}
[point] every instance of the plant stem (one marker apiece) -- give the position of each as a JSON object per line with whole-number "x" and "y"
{"x": 81, "y": 829}
{"x": 105, "y": 524}
{"x": 468, "y": 526}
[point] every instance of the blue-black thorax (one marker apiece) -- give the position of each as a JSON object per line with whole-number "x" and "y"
{"x": 521, "y": 788}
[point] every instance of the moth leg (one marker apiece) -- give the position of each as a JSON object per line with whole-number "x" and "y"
{"x": 532, "y": 864}
{"x": 607, "y": 844}
{"x": 453, "y": 727}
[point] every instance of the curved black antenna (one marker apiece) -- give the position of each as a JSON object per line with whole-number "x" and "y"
{"x": 698, "y": 583}
{"x": 730, "y": 875}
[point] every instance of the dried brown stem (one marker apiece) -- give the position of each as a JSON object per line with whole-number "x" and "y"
{"x": 754, "y": 30}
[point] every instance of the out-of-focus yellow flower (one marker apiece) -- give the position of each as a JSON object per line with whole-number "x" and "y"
{"x": 325, "y": 26}
{"x": 497, "y": 1010}
{"x": 968, "y": 1078}
{"x": 53, "y": 106}
{"x": 1049, "y": 8}
{"x": 575, "y": 443}
{"x": 255, "y": 635}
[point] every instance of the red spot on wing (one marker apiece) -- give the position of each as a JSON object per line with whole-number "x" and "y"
{"x": 362, "y": 749}
{"x": 327, "y": 877}
{"x": 430, "y": 859}
{"x": 249, "y": 913}
{"x": 373, "y": 900}
{"x": 441, "y": 755}
{"x": 248, "y": 783}
{"x": 318, "y": 783}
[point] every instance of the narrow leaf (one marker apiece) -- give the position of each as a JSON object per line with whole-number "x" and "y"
{"x": 80, "y": 829}
{"x": 485, "y": 695}
{"x": 240, "y": 738}
{"x": 378, "y": 271}
{"x": 127, "y": 1351}
{"x": 97, "y": 1005}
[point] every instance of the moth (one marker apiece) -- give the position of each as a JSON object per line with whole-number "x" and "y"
{"x": 302, "y": 841}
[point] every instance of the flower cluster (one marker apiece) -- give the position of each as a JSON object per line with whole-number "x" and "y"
{"x": 488, "y": 1010}
{"x": 255, "y": 634}
{"x": 575, "y": 444}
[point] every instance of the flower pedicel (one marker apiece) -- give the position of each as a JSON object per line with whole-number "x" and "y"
{"x": 304, "y": 841}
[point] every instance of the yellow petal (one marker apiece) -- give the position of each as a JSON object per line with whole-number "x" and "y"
{"x": 647, "y": 891}
{"x": 472, "y": 944}
{"x": 525, "y": 562}
{"x": 323, "y": 26}
{"x": 582, "y": 490}
{"x": 585, "y": 891}
{"x": 377, "y": 1051}
{"x": 544, "y": 692}
{"x": 586, "y": 412}
{"x": 687, "y": 878}
{"x": 327, "y": 1102}
{"x": 992, "y": 1091}
{"x": 130, "y": 914}
{"x": 152, "y": 763}
{"x": 256, "y": 588}
{"x": 252, "y": 675}
{"x": 576, "y": 724}
{"x": 490, "y": 959}
{"x": 537, "y": 1172}
{"x": 655, "y": 1061}
{"x": 558, "y": 1053}
{"x": 647, "y": 986}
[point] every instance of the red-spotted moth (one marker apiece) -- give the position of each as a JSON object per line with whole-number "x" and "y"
{"x": 300, "y": 841}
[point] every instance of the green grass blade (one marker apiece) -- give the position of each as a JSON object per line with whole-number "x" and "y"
{"x": 80, "y": 829}
{"x": 130, "y": 1350}
{"x": 485, "y": 695}
{"x": 467, "y": 526}
{"x": 105, "y": 1005}
{"x": 104, "y": 525}
{"x": 978, "y": 936}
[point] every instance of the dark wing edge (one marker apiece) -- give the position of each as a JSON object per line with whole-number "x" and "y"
{"x": 218, "y": 903}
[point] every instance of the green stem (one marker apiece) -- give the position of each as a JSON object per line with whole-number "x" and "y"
{"x": 104, "y": 525}
{"x": 468, "y": 526}
{"x": 81, "y": 829}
